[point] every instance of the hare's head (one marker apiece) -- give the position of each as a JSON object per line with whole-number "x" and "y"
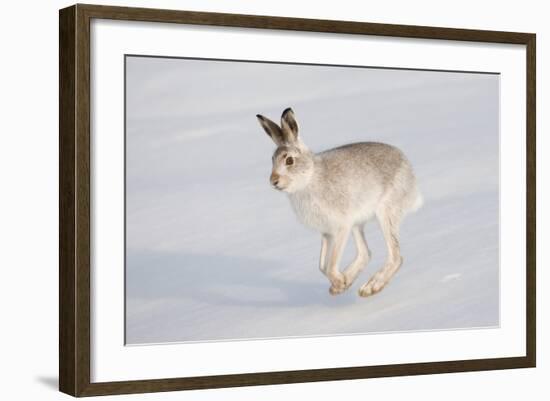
{"x": 292, "y": 160}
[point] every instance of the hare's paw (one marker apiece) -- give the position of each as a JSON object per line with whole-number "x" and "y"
{"x": 374, "y": 285}
{"x": 336, "y": 290}
{"x": 339, "y": 284}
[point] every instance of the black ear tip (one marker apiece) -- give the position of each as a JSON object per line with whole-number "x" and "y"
{"x": 259, "y": 117}
{"x": 287, "y": 110}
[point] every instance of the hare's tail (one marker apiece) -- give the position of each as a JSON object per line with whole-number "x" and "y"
{"x": 418, "y": 202}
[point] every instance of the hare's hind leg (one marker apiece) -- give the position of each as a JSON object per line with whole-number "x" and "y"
{"x": 362, "y": 258}
{"x": 390, "y": 219}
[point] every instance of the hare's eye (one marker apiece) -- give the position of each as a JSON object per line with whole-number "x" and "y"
{"x": 289, "y": 161}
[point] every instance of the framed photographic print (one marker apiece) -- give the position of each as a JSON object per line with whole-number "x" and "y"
{"x": 250, "y": 200}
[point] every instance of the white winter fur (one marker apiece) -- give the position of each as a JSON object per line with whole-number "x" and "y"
{"x": 337, "y": 191}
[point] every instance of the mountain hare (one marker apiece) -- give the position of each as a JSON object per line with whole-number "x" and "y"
{"x": 336, "y": 191}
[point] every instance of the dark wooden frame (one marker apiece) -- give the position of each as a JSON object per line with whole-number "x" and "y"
{"x": 74, "y": 199}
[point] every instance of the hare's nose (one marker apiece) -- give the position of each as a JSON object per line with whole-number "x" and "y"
{"x": 274, "y": 179}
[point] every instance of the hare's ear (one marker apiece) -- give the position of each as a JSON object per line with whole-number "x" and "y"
{"x": 289, "y": 126}
{"x": 271, "y": 129}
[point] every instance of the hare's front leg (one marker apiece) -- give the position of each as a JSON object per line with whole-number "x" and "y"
{"x": 337, "y": 243}
{"x": 362, "y": 258}
{"x": 325, "y": 238}
{"x": 389, "y": 222}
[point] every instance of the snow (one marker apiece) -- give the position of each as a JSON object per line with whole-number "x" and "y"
{"x": 214, "y": 253}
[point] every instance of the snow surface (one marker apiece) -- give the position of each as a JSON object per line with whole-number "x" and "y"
{"x": 214, "y": 253}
